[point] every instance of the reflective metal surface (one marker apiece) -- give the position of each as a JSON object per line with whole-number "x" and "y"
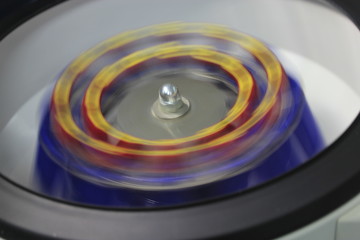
{"x": 199, "y": 93}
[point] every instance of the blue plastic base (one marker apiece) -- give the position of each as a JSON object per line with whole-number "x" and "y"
{"x": 304, "y": 142}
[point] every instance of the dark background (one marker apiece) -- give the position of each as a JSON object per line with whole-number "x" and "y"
{"x": 8, "y": 7}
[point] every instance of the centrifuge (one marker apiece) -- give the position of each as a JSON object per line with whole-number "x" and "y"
{"x": 154, "y": 119}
